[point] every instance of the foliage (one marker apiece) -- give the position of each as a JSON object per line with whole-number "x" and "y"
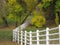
{"x": 57, "y": 5}
{"x": 57, "y": 19}
{"x": 30, "y": 4}
{"x": 46, "y": 0}
{"x": 1, "y": 21}
{"x": 38, "y": 21}
{"x": 14, "y": 9}
{"x": 16, "y": 12}
{"x": 44, "y": 3}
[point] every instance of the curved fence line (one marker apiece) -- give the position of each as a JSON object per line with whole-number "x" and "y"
{"x": 38, "y": 37}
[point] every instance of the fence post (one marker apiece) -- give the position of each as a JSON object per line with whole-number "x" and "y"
{"x": 47, "y": 36}
{"x": 25, "y": 37}
{"x": 30, "y": 37}
{"x": 13, "y": 36}
{"x": 59, "y": 34}
{"x": 21, "y": 37}
{"x": 18, "y": 36}
{"x": 37, "y": 37}
{"x": 15, "y": 33}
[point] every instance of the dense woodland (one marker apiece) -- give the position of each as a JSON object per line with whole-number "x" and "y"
{"x": 41, "y": 13}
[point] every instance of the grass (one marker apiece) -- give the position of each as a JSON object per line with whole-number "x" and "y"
{"x": 33, "y": 29}
{"x": 5, "y": 35}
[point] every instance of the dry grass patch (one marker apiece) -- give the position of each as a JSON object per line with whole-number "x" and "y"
{"x": 7, "y": 42}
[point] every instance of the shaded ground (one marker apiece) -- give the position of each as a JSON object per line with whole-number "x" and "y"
{"x": 7, "y": 42}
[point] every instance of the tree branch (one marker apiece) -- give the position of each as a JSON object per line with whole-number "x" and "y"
{"x": 28, "y": 13}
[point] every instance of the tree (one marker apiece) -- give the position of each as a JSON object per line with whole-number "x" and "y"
{"x": 14, "y": 9}
{"x": 3, "y": 11}
{"x": 57, "y": 6}
{"x": 29, "y": 11}
{"x": 20, "y": 11}
{"x": 30, "y": 8}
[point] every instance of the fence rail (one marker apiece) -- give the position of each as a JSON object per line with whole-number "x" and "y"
{"x": 39, "y": 37}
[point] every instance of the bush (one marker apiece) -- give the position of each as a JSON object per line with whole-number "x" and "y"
{"x": 38, "y": 21}
{"x": 57, "y": 20}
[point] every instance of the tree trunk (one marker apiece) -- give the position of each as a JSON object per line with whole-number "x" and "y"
{"x": 16, "y": 23}
{"x": 29, "y": 12}
{"x": 24, "y": 25}
{"x": 59, "y": 16}
{"x": 5, "y": 21}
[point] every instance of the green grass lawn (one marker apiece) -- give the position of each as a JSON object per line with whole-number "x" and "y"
{"x": 6, "y": 34}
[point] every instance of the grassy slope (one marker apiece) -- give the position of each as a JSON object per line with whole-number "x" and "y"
{"x": 6, "y": 36}
{"x": 6, "y": 33}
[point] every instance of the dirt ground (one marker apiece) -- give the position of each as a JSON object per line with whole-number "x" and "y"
{"x": 7, "y": 42}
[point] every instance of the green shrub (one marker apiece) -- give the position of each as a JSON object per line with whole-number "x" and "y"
{"x": 38, "y": 21}
{"x": 57, "y": 20}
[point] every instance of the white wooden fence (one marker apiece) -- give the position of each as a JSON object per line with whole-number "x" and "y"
{"x": 38, "y": 37}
